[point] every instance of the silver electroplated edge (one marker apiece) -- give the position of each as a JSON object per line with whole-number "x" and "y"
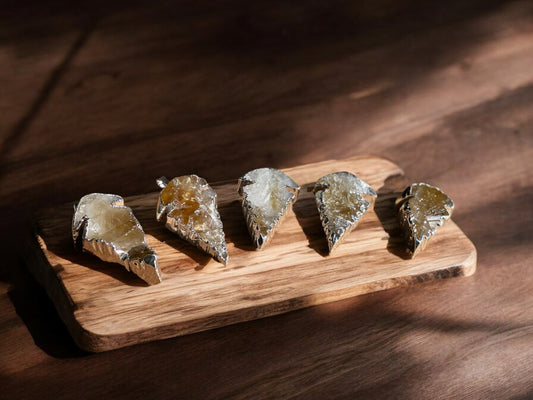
{"x": 417, "y": 244}
{"x": 219, "y": 253}
{"x": 146, "y": 268}
{"x": 261, "y": 241}
{"x": 336, "y": 236}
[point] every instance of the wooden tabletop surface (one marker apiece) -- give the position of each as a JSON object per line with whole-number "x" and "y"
{"x": 107, "y": 96}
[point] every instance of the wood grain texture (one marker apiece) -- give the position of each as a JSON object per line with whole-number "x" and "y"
{"x": 105, "y": 307}
{"x": 104, "y": 96}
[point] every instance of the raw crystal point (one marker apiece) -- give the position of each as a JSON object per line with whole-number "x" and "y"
{"x": 266, "y": 194}
{"x": 190, "y": 207}
{"x": 103, "y": 226}
{"x": 421, "y": 209}
{"x": 342, "y": 199}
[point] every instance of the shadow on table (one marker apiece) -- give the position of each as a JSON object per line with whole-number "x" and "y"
{"x": 37, "y": 311}
{"x": 332, "y": 346}
{"x": 307, "y": 216}
{"x": 385, "y": 209}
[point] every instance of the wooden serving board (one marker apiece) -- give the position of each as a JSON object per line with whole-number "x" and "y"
{"x": 106, "y": 307}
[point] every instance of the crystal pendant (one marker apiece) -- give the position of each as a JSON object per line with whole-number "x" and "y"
{"x": 266, "y": 194}
{"x": 342, "y": 199}
{"x": 103, "y": 226}
{"x": 421, "y": 209}
{"x": 190, "y": 207}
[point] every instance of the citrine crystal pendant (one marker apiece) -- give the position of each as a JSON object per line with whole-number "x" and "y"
{"x": 103, "y": 226}
{"x": 342, "y": 199}
{"x": 189, "y": 206}
{"x": 421, "y": 209}
{"x": 266, "y": 195}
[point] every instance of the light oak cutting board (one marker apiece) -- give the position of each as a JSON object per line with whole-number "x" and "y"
{"x": 106, "y": 307}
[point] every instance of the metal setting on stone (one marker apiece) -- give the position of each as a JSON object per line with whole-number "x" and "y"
{"x": 266, "y": 195}
{"x": 422, "y": 208}
{"x": 103, "y": 226}
{"x": 190, "y": 207}
{"x": 342, "y": 199}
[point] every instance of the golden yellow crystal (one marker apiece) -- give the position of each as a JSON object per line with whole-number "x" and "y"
{"x": 189, "y": 204}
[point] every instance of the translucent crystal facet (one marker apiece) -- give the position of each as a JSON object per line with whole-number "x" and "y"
{"x": 421, "y": 209}
{"x": 342, "y": 199}
{"x": 105, "y": 227}
{"x": 266, "y": 195}
{"x": 190, "y": 207}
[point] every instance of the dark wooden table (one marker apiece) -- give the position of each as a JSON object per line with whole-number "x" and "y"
{"x": 106, "y": 96}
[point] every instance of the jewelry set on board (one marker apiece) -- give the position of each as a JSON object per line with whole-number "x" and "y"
{"x": 105, "y": 227}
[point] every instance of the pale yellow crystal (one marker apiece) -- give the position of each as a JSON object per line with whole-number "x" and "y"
{"x": 111, "y": 224}
{"x": 342, "y": 198}
{"x": 189, "y": 204}
{"x": 110, "y": 231}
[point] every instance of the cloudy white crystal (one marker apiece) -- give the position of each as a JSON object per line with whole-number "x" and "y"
{"x": 266, "y": 194}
